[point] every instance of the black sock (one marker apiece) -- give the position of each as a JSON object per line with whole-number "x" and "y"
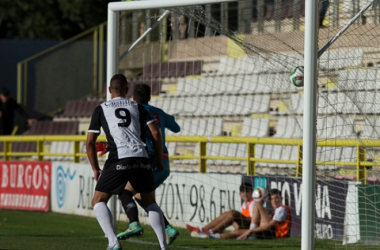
{"x": 129, "y": 205}
{"x": 141, "y": 204}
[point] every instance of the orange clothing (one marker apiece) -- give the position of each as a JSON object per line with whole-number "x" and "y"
{"x": 245, "y": 210}
{"x": 282, "y": 229}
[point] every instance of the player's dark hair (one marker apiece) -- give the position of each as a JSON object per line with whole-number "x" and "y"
{"x": 275, "y": 191}
{"x": 246, "y": 186}
{"x": 119, "y": 77}
{"x": 141, "y": 93}
{"x": 118, "y": 83}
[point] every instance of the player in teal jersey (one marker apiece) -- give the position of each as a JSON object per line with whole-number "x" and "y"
{"x": 142, "y": 95}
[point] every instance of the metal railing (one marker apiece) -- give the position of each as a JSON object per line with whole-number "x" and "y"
{"x": 361, "y": 164}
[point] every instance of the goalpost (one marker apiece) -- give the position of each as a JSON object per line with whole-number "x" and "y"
{"x": 244, "y": 73}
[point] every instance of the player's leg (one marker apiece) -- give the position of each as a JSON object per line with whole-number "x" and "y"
{"x": 240, "y": 221}
{"x": 262, "y": 213}
{"x": 228, "y": 218}
{"x": 111, "y": 181}
{"x": 171, "y": 232}
{"x": 229, "y": 235}
{"x": 155, "y": 217}
{"x": 130, "y": 208}
{"x": 159, "y": 178}
{"x": 215, "y": 224}
{"x": 143, "y": 182}
{"x": 104, "y": 217}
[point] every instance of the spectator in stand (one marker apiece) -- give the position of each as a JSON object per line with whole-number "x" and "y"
{"x": 239, "y": 220}
{"x": 265, "y": 226}
{"x": 8, "y": 108}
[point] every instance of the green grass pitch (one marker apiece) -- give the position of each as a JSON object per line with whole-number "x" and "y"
{"x": 39, "y": 230}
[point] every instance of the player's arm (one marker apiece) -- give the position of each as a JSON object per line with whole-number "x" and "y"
{"x": 171, "y": 124}
{"x": 91, "y": 154}
{"x": 260, "y": 228}
{"x": 92, "y": 135}
{"x": 157, "y": 144}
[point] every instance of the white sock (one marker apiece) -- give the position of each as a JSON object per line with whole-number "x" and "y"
{"x": 157, "y": 222}
{"x": 214, "y": 236}
{"x": 252, "y": 226}
{"x": 104, "y": 217}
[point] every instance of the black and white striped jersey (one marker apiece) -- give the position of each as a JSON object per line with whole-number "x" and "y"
{"x": 123, "y": 122}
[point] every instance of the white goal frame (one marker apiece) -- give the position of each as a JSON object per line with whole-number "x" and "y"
{"x": 310, "y": 93}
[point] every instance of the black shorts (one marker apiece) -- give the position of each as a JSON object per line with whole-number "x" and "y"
{"x": 116, "y": 175}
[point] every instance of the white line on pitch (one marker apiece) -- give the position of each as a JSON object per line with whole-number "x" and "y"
{"x": 155, "y": 244}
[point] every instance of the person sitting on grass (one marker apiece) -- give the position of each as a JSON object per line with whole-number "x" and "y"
{"x": 239, "y": 220}
{"x": 265, "y": 226}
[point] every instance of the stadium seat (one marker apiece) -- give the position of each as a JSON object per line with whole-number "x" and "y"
{"x": 297, "y": 104}
{"x": 287, "y": 10}
{"x": 256, "y": 64}
{"x": 214, "y": 127}
{"x": 255, "y": 127}
{"x": 371, "y": 129}
{"x": 289, "y": 127}
{"x": 77, "y": 109}
{"x": 269, "y": 12}
{"x": 172, "y": 69}
{"x": 339, "y": 59}
{"x": 181, "y": 86}
{"x": 279, "y": 83}
{"x": 171, "y": 146}
{"x": 338, "y": 103}
{"x": 328, "y": 154}
{"x": 261, "y": 104}
{"x": 202, "y": 105}
{"x": 226, "y": 66}
{"x": 249, "y": 84}
{"x": 215, "y": 85}
{"x": 343, "y": 128}
{"x": 227, "y": 150}
{"x": 46, "y": 128}
{"x": 235, "y": 84}
{"x": 284, "y": 62}
{"x": 366, "y": 102}
{"x": 264, "y": 83}
{"x": 192, "y": 87}
{"x": 358, "y": 79}
{"x": 336, "y": 127}
{"x": 199, "y": 127}
{"x": 213, "y": 149}
{"x": 322, "y": 105}
{"x": 179, "y": 106}
{"x": 193, "y": 67}
{"x": 289, "y": 153}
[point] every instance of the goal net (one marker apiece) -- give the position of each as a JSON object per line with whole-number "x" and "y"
{"x": 222, "y": 70}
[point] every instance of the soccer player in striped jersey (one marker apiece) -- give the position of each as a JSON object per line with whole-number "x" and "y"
{"x": 128, "y": 165}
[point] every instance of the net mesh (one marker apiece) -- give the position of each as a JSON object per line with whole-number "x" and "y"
{"x": 223, "y": 70}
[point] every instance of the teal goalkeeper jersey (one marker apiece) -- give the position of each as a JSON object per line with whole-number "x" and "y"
{"x": 163, "y": 121}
